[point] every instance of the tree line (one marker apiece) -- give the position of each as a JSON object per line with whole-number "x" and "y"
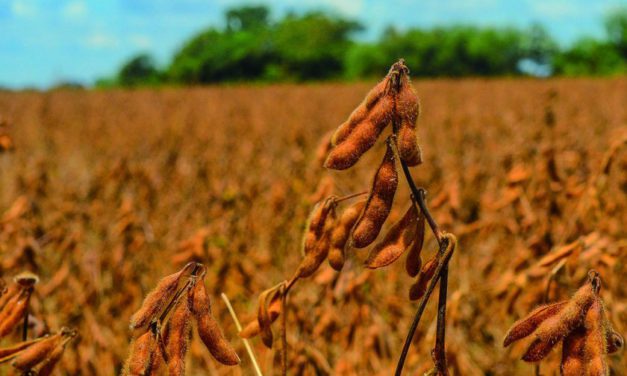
{"x": 322, "y": 46}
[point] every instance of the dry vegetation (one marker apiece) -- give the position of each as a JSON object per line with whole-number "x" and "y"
{"x": 104, "y": 193}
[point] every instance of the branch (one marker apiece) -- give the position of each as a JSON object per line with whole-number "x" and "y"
{"x": 439, "y": 351}
{"x": 419, "y": 193}
{"x": 444, "y": 254}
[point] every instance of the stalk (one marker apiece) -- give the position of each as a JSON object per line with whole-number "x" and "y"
{"x": 441, "y": 274}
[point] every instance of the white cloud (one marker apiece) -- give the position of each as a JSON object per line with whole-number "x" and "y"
{"x": 140, "y": 41}
{"x": 101, "y": 40}
{"x": 75, "y": 10}
{"x": 23, "y": 8}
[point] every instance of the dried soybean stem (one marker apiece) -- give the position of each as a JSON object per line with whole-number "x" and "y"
{"x": 420, "y": 194}
{"x": 444, "y": 258}
{"x": 238, "y": 325}
{"x": 439, "y": 352}
{"x": 441, "y": 273}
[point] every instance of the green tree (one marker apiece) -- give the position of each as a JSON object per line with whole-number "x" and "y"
{"x": 538, "y": 45}
{"x": 139, "y": 70}
{"x": 215, "y": 56}
{"x": 443, "y": 51}
{"x": 312, "y": 46}
{"x": 241, "y": 52}
{"x": 589, "y": 57}
{"x": 616, "y": 27}
{"x": 247, "y": 18}
{"x": 365, "y": 60}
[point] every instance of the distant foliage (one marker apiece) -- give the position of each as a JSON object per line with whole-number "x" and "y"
{"x": 320, "y": 46}
{"x": 598, "y": 57}
{"x": 452, "y": 51}
{"x": 141, "y": 69}
{"x": 589, "y": 56}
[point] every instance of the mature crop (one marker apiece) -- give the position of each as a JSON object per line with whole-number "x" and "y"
{"x": 37, "y": 356}
{"x": 580, "y": 323}
{"x": 392, "y": 102}
{"x": 162, "y": 325}
{"x": 103, "y": 193}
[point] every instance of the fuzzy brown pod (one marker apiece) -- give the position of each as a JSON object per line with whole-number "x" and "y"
{"x": 37, "y": 353}
{"x": 341, "y": 232}
{"x": 557, "y": 327}
{"x": 13, "y": 311}
{"x": 580, "y": 322}
{"x": 362, "y": 111}
{"x": 407, "y": 110}
{"x": 379, "y": 202}
{"x": 208, "y": 329}
{"x": 157, "y": 300}
{"x": 252, "y": 329}
{"x": 8, "y": 299}
{"x": 6, "y": 293}
{"x": 16, "y": 348}
{"x": 263, "y": 318}
{"x": 317, "y": 223}
{"x": 144, "y": 355}
{"x": 573, "y": 353}
{"x": 347, "y": 153}
{"x": 361, "y": 131}
{"x": 584, "y": 349}
{"x": 46, "y": 367}
{"x": 413, "y": 261}
{"x": 396, "y": 241}
{"x": 315, "y": 257}
{"x": 529, "y": 324}
{"x": 176, "y": 336}
{"x": 418, "y": 289}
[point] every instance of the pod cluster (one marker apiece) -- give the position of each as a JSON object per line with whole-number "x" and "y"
{"x": 268, "y": 312}
{"x": 37, "y": 356}
{"x": 579, "y": 323}
{"x": 163, "y": 325}
{"x": 391, "y": 101}
{"x": 326, "y": 236}
{"x": 14, "y": 301}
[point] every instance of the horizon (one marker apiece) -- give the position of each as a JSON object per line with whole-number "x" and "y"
{"x": 47, "y": 42}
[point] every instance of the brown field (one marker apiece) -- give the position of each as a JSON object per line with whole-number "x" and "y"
{"x": 108, "y": 191}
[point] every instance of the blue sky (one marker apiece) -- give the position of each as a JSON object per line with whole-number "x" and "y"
{"x": 46, "y": 41}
